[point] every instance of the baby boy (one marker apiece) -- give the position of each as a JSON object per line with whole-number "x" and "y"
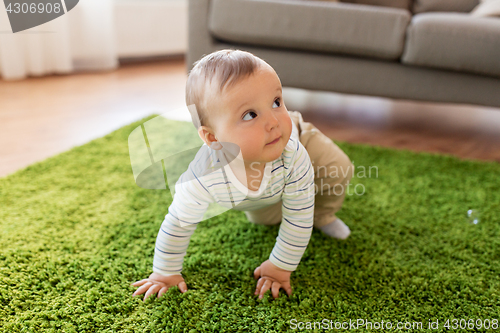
{"x": 290, "y": 173}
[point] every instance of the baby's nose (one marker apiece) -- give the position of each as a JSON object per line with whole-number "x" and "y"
{"x": 272, "y": 122}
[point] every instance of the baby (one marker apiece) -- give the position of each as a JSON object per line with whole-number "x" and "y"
{"x": 238, "y": 100}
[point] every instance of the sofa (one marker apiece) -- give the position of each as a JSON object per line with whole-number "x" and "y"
{"x": 424, "y": 50}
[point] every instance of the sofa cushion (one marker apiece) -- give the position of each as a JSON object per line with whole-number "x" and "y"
{"x": 487, "y": 8}
{"x": 369, "y": 31}
{"x": 421, "y": 6}
{"x": 455, "y": 41}
{"x": 403, "y": 4}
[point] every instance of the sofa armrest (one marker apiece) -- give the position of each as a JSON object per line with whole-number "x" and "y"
{"x": 200, "y": 41}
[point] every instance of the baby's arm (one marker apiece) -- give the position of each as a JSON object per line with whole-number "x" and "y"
{"x": 296, "y": 226}
{"x": 184, "y": 214}
{"x": 171, "y": 245}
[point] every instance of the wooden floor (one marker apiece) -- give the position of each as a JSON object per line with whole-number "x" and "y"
{"x": 41, "y": 117}
{"x": 465, "y": 131}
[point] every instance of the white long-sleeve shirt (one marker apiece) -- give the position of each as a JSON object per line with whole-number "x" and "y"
{"x": 289, "y": 178}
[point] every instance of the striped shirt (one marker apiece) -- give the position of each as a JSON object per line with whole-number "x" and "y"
{"x": 289, "y": 178}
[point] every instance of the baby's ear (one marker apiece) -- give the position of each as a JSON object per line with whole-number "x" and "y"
{"x": 206, "y": 134}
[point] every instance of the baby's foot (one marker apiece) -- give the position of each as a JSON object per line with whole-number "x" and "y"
{"x": 336, "y": 229}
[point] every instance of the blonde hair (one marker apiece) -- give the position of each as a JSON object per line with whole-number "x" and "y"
{"x": 214, "y": 73}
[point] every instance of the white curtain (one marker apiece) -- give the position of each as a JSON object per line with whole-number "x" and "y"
{"x": 82, "y": 39}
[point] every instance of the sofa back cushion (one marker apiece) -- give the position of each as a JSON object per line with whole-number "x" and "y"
{"x": 421, "y": 6}
{"x": 454, "y": 41}
{"x": 318, "y": 26}
{"x": 404, "y": 4}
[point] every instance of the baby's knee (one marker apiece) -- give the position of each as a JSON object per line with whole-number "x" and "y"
{"x": 339, "y": 169}
{"x": 346, "y": 166}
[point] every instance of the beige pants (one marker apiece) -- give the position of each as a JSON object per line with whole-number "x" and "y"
{"x": 332, "y": 172}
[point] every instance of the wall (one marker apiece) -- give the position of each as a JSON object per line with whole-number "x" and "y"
{"x": 151, "y": 27}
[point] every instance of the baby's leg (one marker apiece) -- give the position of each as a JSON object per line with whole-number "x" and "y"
{"x": 269, "y": 215}
{"x": 332, "y": 172}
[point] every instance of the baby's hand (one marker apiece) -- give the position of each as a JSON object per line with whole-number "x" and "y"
{"x": 157, "y": 283}
{"x": 272, "y": 277}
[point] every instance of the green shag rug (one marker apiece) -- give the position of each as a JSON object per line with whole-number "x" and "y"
{"x": 76, "y": 231}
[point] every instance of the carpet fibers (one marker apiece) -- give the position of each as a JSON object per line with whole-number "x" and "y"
{"x": 75, "y": 231}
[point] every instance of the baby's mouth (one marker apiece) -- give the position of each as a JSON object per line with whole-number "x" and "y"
{"x": 274, "y": 141}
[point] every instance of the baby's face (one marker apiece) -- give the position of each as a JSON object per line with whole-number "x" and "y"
{"x": 252, "y": 115}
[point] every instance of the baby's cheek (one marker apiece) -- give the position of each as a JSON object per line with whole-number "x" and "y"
{"x": 288, "y": 126}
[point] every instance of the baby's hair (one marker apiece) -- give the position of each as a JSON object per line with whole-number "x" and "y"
{"x": 211, "y": 75}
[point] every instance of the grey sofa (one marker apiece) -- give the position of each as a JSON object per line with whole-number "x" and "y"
{"x": 416, "y": 51}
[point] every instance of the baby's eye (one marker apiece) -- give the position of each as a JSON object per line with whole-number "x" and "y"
{"x": 278, "y": 100}
{"x": 250, "y": 115}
